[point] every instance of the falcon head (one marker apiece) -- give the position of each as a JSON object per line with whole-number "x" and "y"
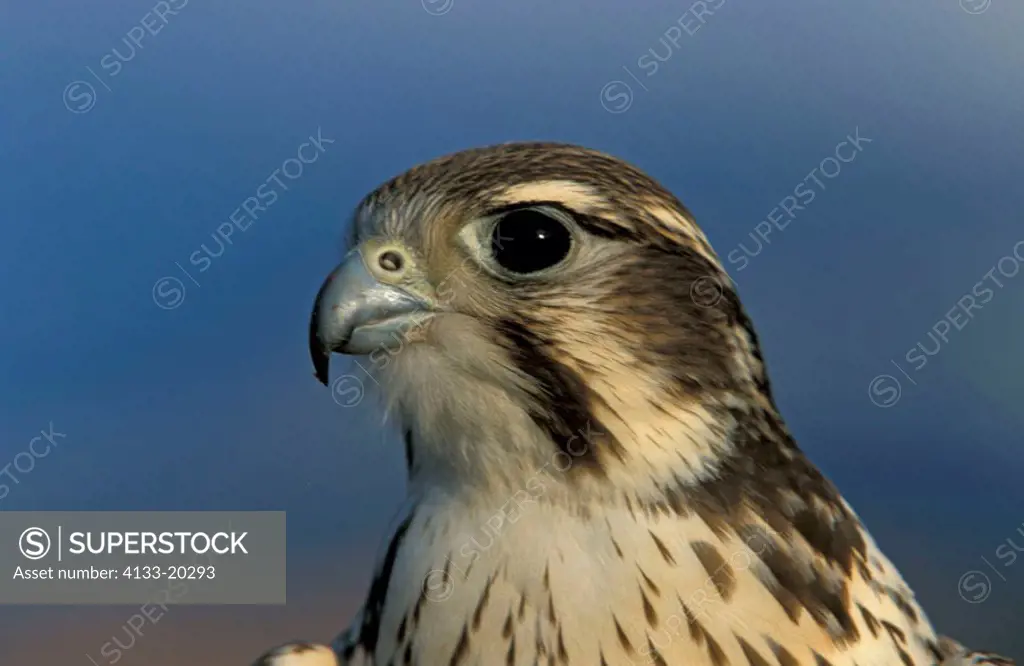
{"x": 537, "y": 307}
{"x": 537, "y": 303}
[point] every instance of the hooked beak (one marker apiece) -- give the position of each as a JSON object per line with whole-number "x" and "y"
{"x": 355, "y": 313}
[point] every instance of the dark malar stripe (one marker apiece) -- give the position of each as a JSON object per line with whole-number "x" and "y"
{"x": 564, "y": 414}
{"x": 408, "y": 450}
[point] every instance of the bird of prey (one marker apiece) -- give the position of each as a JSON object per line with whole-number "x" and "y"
{"x": 598, "y": 473}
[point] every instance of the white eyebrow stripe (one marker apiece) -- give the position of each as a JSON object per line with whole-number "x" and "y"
{"x": 679, "y": 223}
{"x": 572, "y": 194}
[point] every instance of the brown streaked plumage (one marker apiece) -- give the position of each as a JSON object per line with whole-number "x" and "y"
{"x": 598, "y": 472}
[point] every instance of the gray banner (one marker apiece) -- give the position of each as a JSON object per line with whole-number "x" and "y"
{"x": 129, "y": 557}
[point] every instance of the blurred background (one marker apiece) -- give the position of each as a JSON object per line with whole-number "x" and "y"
{"x": 132, "y": 130}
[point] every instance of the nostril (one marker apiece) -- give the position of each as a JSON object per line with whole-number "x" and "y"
{"x": 390, "y": 261}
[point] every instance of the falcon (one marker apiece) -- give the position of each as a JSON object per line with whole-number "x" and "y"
{"x": 598, "y": 473}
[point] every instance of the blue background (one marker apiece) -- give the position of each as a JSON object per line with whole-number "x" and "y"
{"x": 211, "y": 405}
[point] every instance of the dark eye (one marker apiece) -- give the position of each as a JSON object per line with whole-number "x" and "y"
{"x": 527, "y": 241}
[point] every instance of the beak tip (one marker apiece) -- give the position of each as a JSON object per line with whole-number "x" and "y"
{"x": 320, "y": 355}
{"x": 321, "y": 366}
{"x": 321, "y": 360}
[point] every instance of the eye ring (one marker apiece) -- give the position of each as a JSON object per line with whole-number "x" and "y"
{"x": 530, "y": 240}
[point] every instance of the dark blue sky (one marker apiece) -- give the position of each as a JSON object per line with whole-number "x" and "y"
{"x": 212, "y": 405}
